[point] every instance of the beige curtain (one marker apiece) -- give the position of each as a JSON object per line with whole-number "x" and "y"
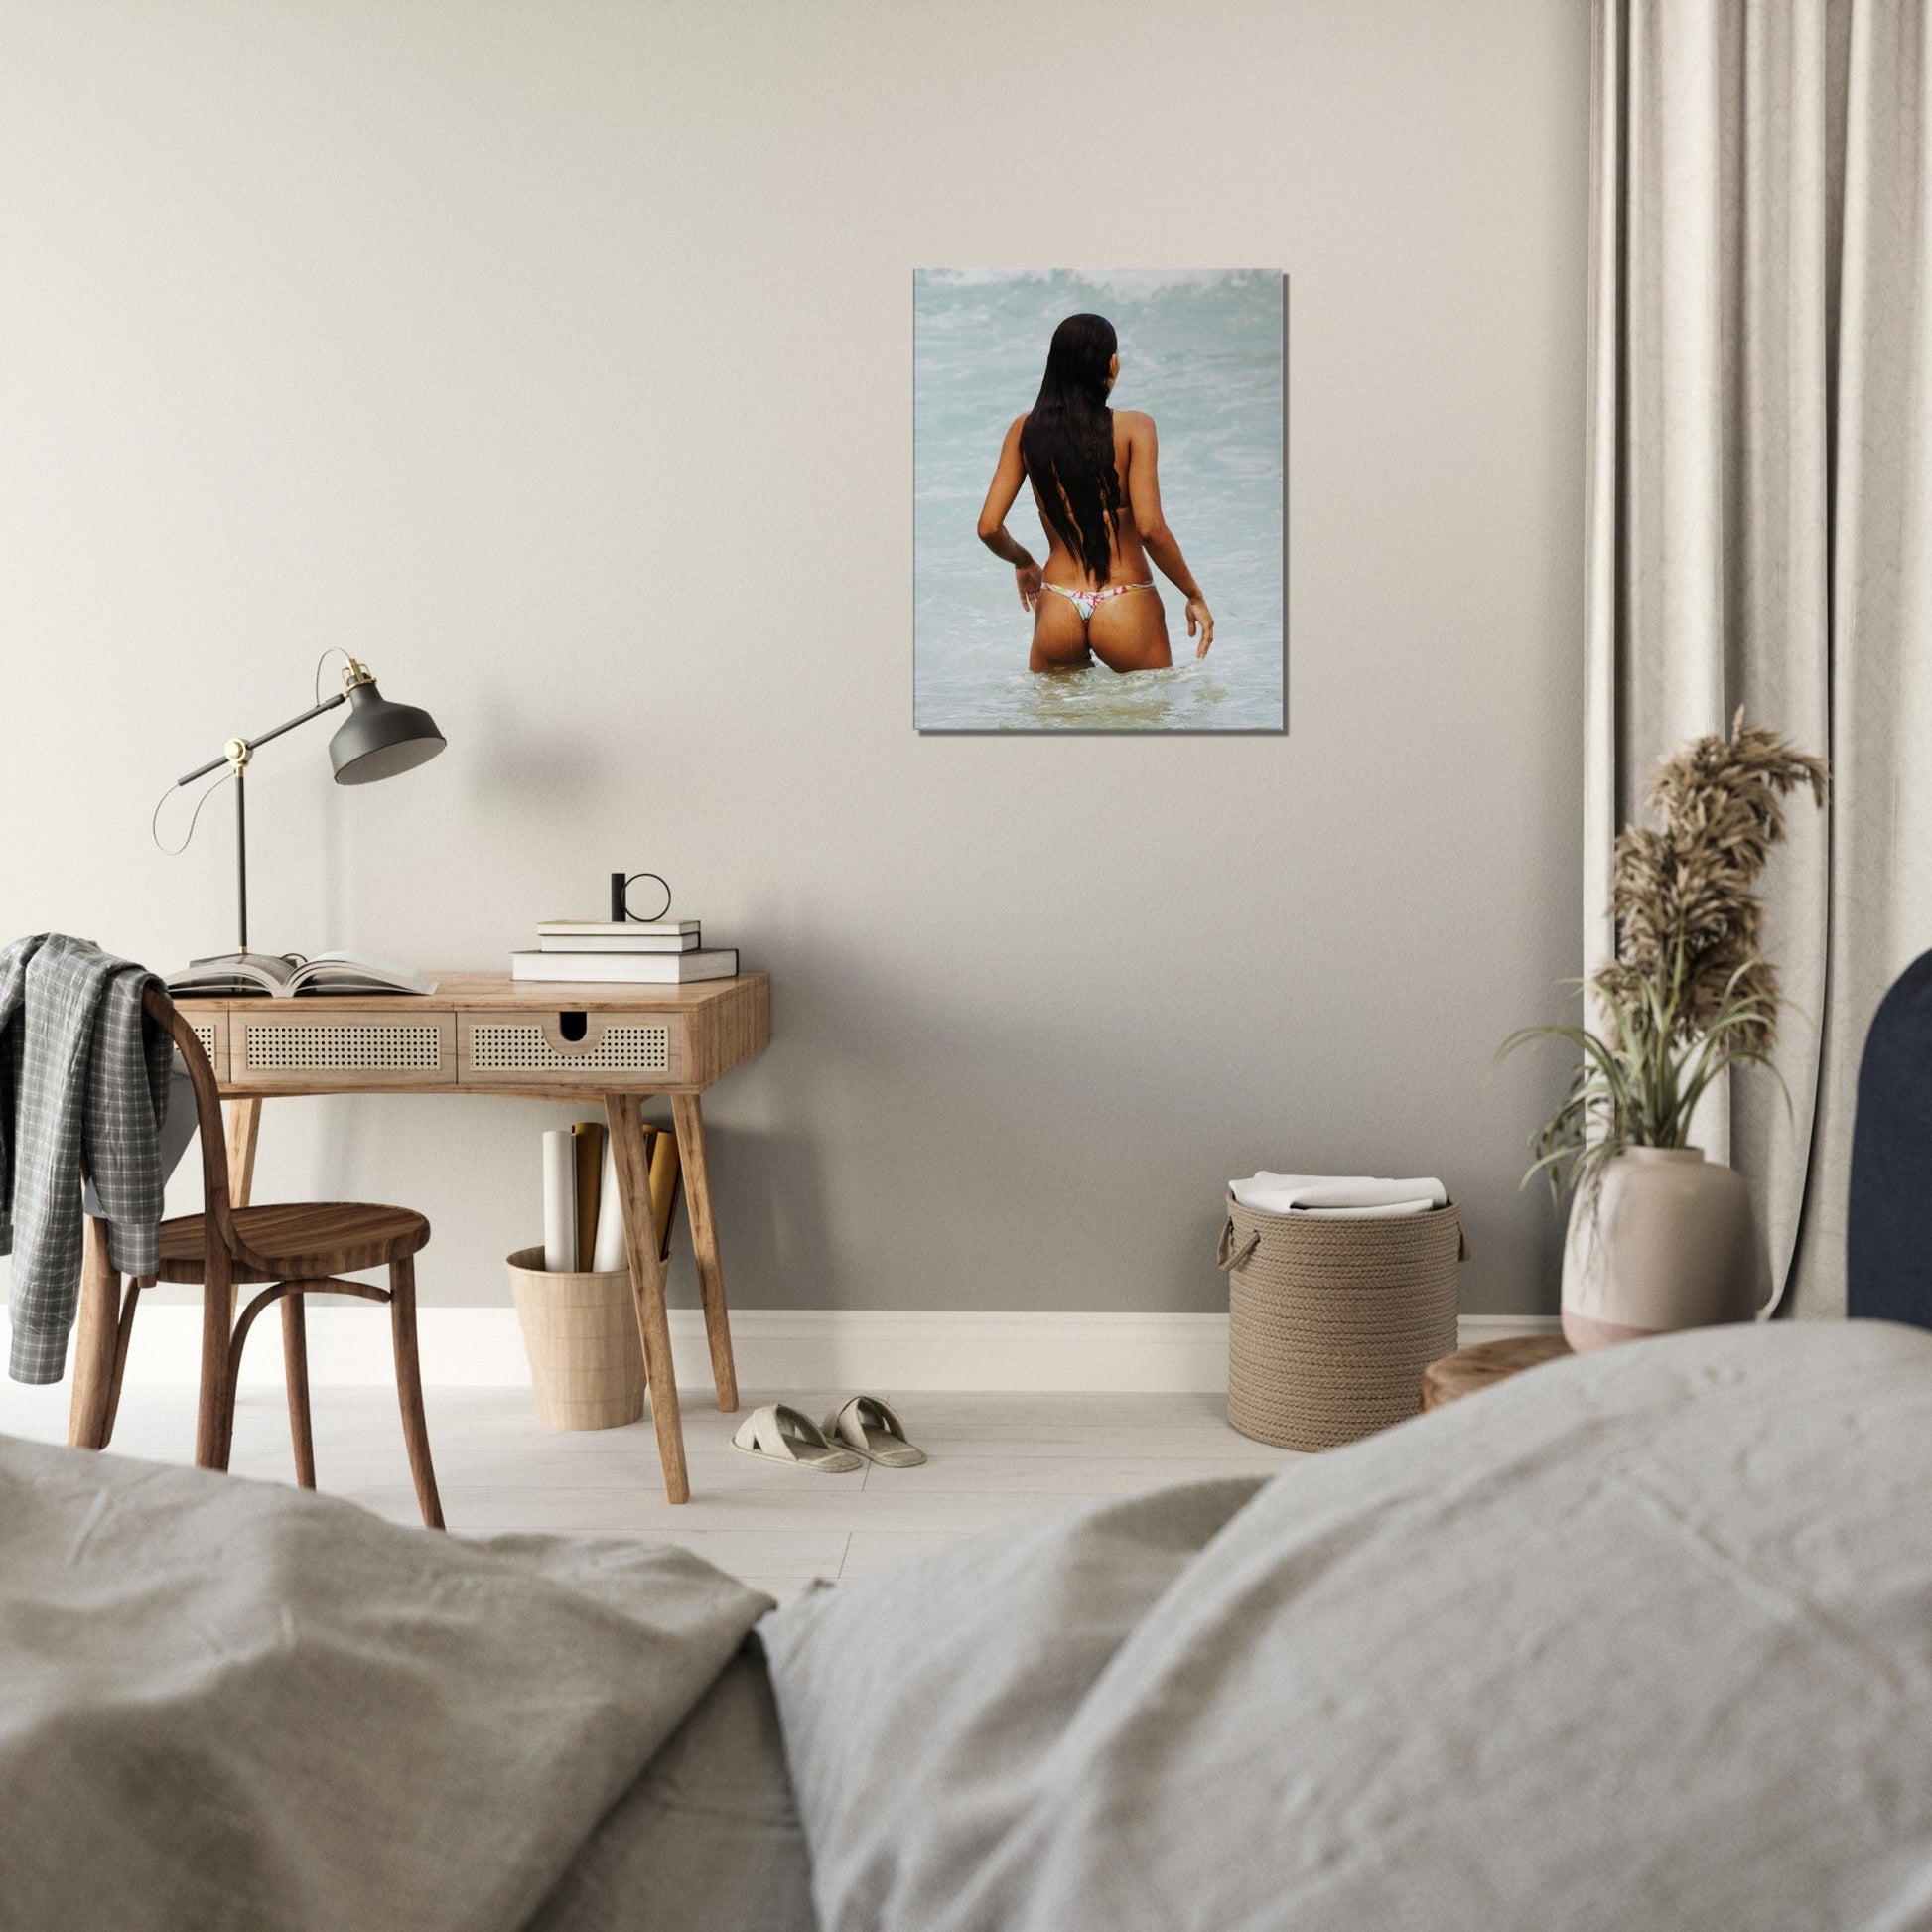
{"x": 1759, "y": 489}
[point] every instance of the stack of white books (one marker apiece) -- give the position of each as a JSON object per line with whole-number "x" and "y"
{"x": 598, "y": 952}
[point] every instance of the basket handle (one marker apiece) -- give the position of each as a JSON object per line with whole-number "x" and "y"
{"x": 1229, "y": 1260}
{"x": 1225, "y": 1259}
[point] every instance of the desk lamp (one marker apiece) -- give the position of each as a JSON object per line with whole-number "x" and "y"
{"x": 377, "y": 740}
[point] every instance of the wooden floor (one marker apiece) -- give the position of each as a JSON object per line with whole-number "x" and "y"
{"x": 992, "y": 1457}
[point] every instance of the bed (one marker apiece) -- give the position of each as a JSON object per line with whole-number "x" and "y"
{"x": 1638, "y": 1639}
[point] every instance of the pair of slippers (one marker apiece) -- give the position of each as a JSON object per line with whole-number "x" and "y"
{"x": 864, "y": 1431}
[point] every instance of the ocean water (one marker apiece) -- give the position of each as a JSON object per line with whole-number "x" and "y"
{"x": 1200, "y": 350}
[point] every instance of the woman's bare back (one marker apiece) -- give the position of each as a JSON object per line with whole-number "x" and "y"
{"x": 1126, "y": 627}
{"x": 1075, "y": 619}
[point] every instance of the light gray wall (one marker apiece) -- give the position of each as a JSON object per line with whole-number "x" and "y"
{"x": 556, "y": 357}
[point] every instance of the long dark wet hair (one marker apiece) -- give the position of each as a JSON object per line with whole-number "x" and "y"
{"x": 1068, "y": 444}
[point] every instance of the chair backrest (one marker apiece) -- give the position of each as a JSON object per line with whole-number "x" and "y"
{"x": 208, "y": 1115}
{"x": 1888, "y": 1229}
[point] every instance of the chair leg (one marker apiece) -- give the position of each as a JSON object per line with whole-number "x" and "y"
{"x": 93, "y": 1342}
{"x": 215, "y": 1419}
{"x": 124, "y": 1334}
{"x": 295, "y": 1370}
{"x": 409, "y": 1387}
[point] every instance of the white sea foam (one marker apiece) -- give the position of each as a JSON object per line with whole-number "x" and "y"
{"x": 1130, "y": 284}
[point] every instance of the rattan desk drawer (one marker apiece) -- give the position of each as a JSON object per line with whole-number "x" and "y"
{"x": 535, "y": 1048}
{"x": 211, "y": 1029}
{"x": 340, "y": 1047}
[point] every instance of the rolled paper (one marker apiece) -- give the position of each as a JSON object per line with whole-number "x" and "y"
{"x": 560, "y": 1201}
{"x": 587, "y": 1138}
{"x": 608, "y": 1254}
{"x": 663, "y": 1186}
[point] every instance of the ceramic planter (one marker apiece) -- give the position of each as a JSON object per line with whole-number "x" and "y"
{"x": 1666, "y": 1243}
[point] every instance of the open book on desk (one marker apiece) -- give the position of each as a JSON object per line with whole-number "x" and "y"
{"x": 282, "y": 976}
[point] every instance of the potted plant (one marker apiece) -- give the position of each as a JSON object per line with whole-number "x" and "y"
{"x": 1658, "y": 1237}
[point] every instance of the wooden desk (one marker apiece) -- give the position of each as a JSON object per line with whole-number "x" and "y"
{"x": 523, "y": 1039}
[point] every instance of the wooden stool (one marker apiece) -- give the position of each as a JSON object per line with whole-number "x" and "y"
{"x": 1486, "y": 1363}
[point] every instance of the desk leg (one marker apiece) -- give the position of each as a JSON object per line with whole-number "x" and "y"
{"x": 95, "y": 1332}
{"x": 689, "y": 1116}
{"x": 647, "y": 1285}
{"x": 245, "y": 1123}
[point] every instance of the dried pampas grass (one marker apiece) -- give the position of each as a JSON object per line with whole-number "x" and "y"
{"x": 1684, "y": 895}
{"x": 1689, "y": 993}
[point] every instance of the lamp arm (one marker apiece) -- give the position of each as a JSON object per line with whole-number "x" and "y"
{"x": 236, "y": 752}
{"x": 249, "y": 745}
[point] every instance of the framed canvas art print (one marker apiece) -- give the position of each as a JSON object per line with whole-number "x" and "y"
{"x": 1099, "y": 515}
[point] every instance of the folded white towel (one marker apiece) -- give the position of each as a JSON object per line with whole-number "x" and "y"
{"x": 1338, "y": 1196}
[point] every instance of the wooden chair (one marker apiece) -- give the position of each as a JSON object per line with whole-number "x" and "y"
{"x": 291, "y": 1251}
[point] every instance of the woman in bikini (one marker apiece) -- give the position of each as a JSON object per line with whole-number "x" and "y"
{"x": 1095, "y": 479}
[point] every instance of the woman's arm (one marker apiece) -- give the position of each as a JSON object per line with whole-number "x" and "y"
{"x": 1143, "y": 499}
{"x": 1005, "y": 487}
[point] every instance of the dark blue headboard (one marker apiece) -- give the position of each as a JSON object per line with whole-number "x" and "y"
{"x": 1888, "y": 1237}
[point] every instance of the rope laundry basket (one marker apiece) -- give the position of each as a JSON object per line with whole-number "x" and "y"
{"x": 1331, "y": 1322}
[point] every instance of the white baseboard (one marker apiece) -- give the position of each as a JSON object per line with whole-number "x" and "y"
{"x": 1473, "y": 1329}
{"x": 776, "y": 1349}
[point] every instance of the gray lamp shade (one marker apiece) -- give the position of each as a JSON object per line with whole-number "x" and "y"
{"x": 381, "y": 738}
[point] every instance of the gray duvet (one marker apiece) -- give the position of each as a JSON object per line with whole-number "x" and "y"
{"x": 1642, "y": 1640}
{"x": 1639, "y": 1640}
{"x": 226, "y": 1704}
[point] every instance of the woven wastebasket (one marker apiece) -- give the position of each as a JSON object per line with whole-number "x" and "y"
{"x": 580, "y": 1331}
{"x": 1331, "y": 1322}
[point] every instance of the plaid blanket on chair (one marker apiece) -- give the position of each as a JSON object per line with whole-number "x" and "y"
{"x": 82, "y": 1080}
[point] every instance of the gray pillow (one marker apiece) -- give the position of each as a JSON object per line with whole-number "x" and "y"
{"x": 1638, "y": 1639}
{"x": 918, "y": 1702}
